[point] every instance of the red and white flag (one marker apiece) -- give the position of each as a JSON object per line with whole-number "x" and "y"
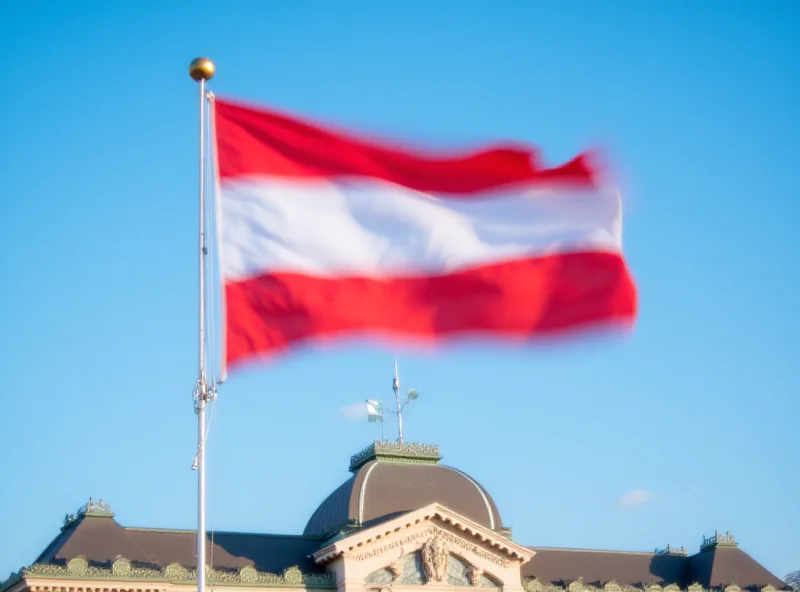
{"x": 325, "y": 234}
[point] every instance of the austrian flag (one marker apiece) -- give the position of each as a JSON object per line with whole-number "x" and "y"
{"x": 326, "y": 235}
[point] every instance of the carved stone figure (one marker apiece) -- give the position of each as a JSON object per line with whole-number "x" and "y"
{"x": 396, "y": 567}
{"x": 474, "y": 575}
{"x": 434, "y": 559}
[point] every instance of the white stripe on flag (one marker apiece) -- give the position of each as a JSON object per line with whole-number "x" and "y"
{"x": 378, "y": 229}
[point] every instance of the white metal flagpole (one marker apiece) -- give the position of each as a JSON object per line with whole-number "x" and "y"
{"x": 201, "y": 70}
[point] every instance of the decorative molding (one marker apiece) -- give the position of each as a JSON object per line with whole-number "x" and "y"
{"x": 397, "y": 452}
{"x": 670, "y": 550}
{"x": 535, "y": 585}
{"x": 99, "y": 587}
{"x": 388, "y": 535}
{"x": 123, "y": 569}
{"x": 436, "y": 532}
{"x": 248, "y": 574}
{"x": 718, "y": 540}
{"x": 176, "y": 572}
{"x": 293, "y": 576}
{"x": 392, "y": 544}
{"x": 78, "y": 566}
{"x": 576, "y": 586}
{"x": 91, "y": 508}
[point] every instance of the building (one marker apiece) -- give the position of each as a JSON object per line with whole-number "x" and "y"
{"x": 402, "y": 520}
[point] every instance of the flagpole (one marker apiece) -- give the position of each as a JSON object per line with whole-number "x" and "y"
{"x": 201, "y": 70}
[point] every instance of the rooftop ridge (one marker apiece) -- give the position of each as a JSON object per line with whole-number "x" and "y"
{"x": 670, "y": 550}
{"x": 397, "y": 452}
{"x": 532, "y": 584}
{"x": 233, "y": 532}
{"x": 583, "y": 550}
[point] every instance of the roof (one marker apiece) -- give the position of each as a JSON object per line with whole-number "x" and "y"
{"x": 558, "y": 566}
{"x": 720, "y": 566}
{"x": 382, "y": 489}
{"x": 230, "y": 550}
{"x": 100, "y": 539}
{"x": 97, "y": 538}
{"x": 391, "y": 478}
{"x": 714, "y": 567}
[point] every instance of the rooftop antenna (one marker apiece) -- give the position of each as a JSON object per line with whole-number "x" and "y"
{"x": 412, "y": 395}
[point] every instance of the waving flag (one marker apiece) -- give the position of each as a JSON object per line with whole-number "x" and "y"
{"x": 374, "y": 411}
{"x": 325, "y": 234}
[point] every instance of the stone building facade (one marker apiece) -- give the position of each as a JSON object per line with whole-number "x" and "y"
{"x": 402, "y": 521}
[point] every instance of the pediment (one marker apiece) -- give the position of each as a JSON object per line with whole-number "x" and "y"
{"x": 398, "y": 536}
{"x": 425, "y": 566}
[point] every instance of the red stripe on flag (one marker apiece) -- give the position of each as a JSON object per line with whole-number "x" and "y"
{"x": 255, "y": 141}
{"x": 516, "y": 299}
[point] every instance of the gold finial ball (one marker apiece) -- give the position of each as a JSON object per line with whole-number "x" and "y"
{"x": 201, "y": 69}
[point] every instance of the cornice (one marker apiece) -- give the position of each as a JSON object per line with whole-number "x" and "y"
{"x": 122, "y": 569}
{"x": 534, "y": 585}
{"x": 391, "y": 529}
{"x": 397, "y": 452}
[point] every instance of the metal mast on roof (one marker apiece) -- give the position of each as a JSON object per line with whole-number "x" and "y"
{"x": 396, "y": 389}
{"x": 202, "y": 70}
{"x": 412, "y": 395}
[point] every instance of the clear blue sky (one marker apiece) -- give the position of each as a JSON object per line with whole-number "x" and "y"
{"x": 697, "y": 102}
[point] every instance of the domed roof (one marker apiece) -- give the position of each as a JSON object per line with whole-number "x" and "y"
{"x": 390, "y": 479}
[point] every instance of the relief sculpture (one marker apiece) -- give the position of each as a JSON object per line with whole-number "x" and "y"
{"x": 475, "y": 574}
{"x": 396, "y": 568}
{"x": 434, "y": 559}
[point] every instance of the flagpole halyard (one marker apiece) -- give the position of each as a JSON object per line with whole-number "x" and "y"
{"x": 201, "y": 70}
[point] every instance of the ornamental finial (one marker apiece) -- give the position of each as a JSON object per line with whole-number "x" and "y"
{"x": 719, "y": 539}
{"x": 91, "y": 508}
{"x": 201, "y": 69}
